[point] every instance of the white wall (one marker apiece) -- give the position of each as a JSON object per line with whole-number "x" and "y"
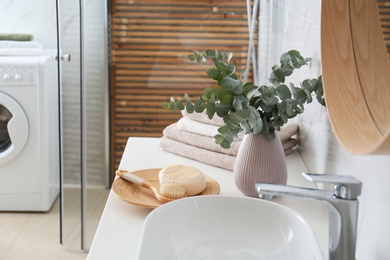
{"x": 296, "y": 25}
{"x": 36, "y": 17}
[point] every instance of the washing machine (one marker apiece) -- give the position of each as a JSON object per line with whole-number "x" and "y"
{"x": 29, "y": 133}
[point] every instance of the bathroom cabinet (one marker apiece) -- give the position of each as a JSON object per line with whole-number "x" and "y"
{"x": 120, "y": 227}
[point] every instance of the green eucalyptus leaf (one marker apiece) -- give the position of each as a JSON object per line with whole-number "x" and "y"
{"x": 226, "y": 132}
{"x": 277, "y": 76}
{"x": 255, "y": 121}
{"x": 285, "y": 58}
{"x": 187, "y": 98}
{"x": 270, "y": 101}
{"x": 191, "y": 57}
{"x": 225, "y": 144}
{"x": 198, "y": 105}
{"x": 296, "y": 59}
{"x": 243, "y": 72}
{"x": 209, "y": 53}
{"x": 189, "y": 107}
{"x": 282, "y": 106}
{"x": 172, "y": 104}
{"x": 265, "y": 125}
{"x": 220, "y": 65}
{"x": 240, "y": 102}
{"x": 290, "y": 111}
{"x": 179, "y": 105}
{"x": 223, "y": 129}
{"x": 238, "y": 116}
{"x": 264, "y": 106}
{"x": 198, "y": 56}
{"x": 213, "y": 73}
{"x": 229, "y": 57}
{"x": 300, "y": 95}
{"x": 280, "y": 120}
{"x": 222, "y": 108}
{"x": 232, "y": 69}
{"x": 308, "y": 85}
{"x": 271, "y": 135}
{"x": 245, "y": 126}
{"x": 165, "y": 105}
{"x": 210, "y": 107}
{"x": 283, "y": 92}
{"x": 223, "y": 55}
{"x": 250, "y": 89}
{"x": 208, "y": 92}
{"x": 227, "y": 98}
{"x": 308, "y": 96}
{"x": 235, "y": 119}
{"x": 287, "y": 71}
{"x": 232, "y": 85}
{"x": 321, "y": 100}
{"x": 222, "y": 141}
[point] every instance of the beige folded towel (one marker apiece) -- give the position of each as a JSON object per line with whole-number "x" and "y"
{"x": 289, "y": 144}
{"x": 200, "y": 128}
{"x": 285, "y": 132}
{"x": 224, "y": 161}
{"x": 196, "y": 127}
{"x": 208, "y": 143}
{"x": 201, "y": 141}
{"x": 203, "y": 118}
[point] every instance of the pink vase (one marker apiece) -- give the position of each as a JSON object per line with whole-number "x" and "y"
{"x": 259, "y": 160}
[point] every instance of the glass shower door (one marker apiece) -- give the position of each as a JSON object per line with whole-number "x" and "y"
{"x": 84, "y": 88}
{"x": 70, "y": 78}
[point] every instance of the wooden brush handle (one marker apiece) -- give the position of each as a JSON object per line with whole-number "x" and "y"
{"x": 130, "y": 177}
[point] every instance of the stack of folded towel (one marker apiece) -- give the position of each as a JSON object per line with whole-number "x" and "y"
{"x": 193, "y": 137}
{"x": 19, "y": 44}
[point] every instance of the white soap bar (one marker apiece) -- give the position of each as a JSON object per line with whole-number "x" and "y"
{"x": 189, "y": 177}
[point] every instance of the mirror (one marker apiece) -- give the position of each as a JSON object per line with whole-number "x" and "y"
{"x": 356, "y": 70}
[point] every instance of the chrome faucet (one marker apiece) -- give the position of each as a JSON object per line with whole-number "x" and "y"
{"x": 342, "y": 204}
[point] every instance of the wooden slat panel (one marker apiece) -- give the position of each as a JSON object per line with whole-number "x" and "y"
{"x": 384, "y": 16}
{"x": 150, "y": 42}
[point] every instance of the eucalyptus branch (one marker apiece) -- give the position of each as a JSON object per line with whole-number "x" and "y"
{"x": 244, "y": 106}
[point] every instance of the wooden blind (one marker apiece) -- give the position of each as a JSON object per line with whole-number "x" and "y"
{"x": 150, "y": 42}
{"x": 384, "y": 16}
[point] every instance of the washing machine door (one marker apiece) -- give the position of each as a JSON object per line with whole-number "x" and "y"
{"x": 14, "y": 128}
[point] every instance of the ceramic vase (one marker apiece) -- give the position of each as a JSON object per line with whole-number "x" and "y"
{"x": 259, "y": 160}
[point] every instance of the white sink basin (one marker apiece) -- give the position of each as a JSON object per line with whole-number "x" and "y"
{"x": 221, "y": 227}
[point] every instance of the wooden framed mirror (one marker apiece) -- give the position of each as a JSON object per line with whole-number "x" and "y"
{"x": 355, "y": 38}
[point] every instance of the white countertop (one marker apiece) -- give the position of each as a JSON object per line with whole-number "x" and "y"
{"x": 119, "y": 230}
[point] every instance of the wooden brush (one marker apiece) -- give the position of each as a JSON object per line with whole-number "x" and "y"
{"x": 168, "y": 192}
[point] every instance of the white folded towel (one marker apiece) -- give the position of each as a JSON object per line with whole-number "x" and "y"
{"x": 222, "y": 160}
{"x": 200, "y": 128}
{"x": 20, "y": 48}
{"x": 203, "y": 118}
{"x": 206, "y": 142}
{"x": 196, "y": 127}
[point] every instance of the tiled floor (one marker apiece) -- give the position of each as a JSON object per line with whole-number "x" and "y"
{"x": 35, "y": 236}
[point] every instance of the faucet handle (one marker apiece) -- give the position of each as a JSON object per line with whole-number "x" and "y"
{"x": 345, "y": 186}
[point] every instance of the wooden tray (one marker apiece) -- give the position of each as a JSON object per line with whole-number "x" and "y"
{"x": 134, "y": 194}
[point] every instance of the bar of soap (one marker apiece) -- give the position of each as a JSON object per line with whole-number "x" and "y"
{"x": 190, "y": 178}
